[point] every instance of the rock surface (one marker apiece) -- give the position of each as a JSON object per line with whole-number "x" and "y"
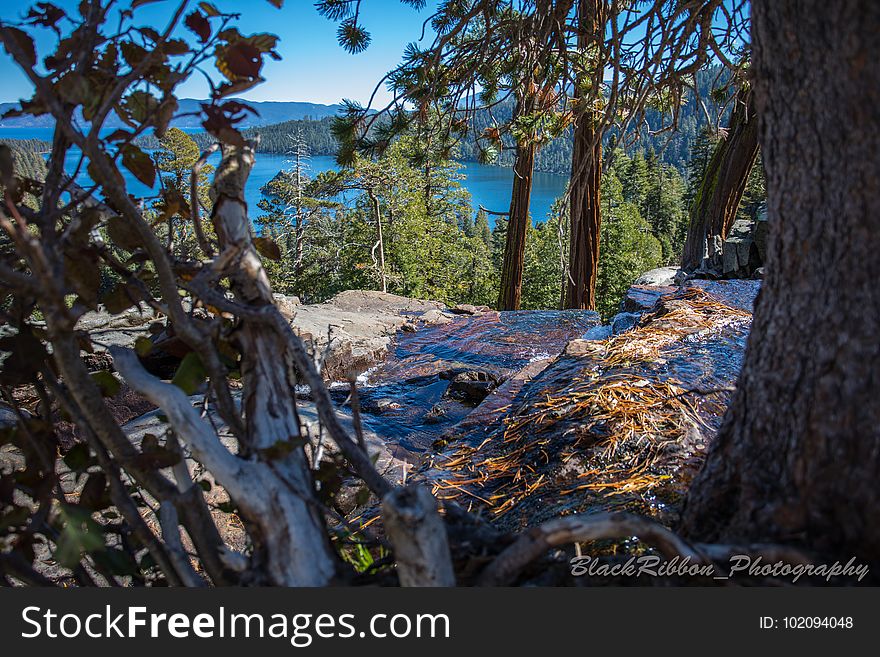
{"x": 352, "y": 331}
{"x": 611, "y": 424}
{"x": 744, "y": 250}
{"x": 659, "y": 276}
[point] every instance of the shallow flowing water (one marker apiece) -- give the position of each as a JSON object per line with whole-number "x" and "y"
{"x": 406, "y": 398}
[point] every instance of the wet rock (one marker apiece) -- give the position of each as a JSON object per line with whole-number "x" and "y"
{"x": 619, "y": 425}
{"x": 598, "y": 333}
{"x": 438, "y": 413}
{"x": 495, "y": 404}
{"x": 624, "y": 322}
{"x": 468, "y": 309}
{"x": 351, "y": 332}
{"x": 736, "y": 293}
{"x": 387, "y": 405}
{"x": 472, "y": 387}
{"x": 581, "y": 347}
{"x": 640, "y": 298}
{"x": 435, "y": 316}
{"x": 8, "y": 417}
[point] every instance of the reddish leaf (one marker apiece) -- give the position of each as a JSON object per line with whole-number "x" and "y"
{"x": 199, "y": 25}
{"x": 132, "y": 53}
{"x": 175, "y": 47}
{"x": 45, "y": 14}
{"x": 241, "y": 59}
{"x": 123, "y": 234}
{"x": 23, "y": 41}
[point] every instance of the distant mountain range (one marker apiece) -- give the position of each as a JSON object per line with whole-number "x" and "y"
{"x": 270, "y": 112}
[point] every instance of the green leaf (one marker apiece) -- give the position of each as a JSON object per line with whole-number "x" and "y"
{"x": 140, "y": 164}
{"x": 79, "y": 534}
{"x": 362, "y": 496}
{"x": 78, "y": 458}
{"x": 190, "y": 374}
{"x": 119, "y": 562}
{"x": 209, "y": 9}
{"x": 143, "y": 346}
{"x": 108, "y": 383}
{"x": 281, "y": 448}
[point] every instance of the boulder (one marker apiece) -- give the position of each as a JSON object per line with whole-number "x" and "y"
{"x": 624, "y": 322}
{"x": 759, "y": 236}
{"x": 351, "y": 332}
{"x": 601, "y": 332}
{"x": 640, "y": 298}
{"x": 287, "y": 304}
{"x": 471, "y": 387}
{"x": 745, "y": 248}
{"x": 118, "y": 330}
{"x": 660, "y": 276}
{"x": 468, "y": 309}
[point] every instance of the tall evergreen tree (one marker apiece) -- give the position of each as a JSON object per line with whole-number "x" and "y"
{"x": 797, "y": 457}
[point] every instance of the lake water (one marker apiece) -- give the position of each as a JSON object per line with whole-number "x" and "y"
{"x": 489, "y": 186}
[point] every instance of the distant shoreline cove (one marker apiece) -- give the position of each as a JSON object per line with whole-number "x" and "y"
{"x": 489, "y": 185}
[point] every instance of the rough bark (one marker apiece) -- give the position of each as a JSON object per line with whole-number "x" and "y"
{"x": 586, "y": 218}
{"x": 579, "y": 287}
{"x": 517, "y": 227}
{"x": 296, "y": 534}
{"x": 721, "y": 190}
{"x": 798, "y": 454}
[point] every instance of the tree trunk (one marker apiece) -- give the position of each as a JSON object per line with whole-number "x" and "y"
{"x": 293, "y": 541}
{"x": 300, "y": 239}
{"x": 380, "y": 242}
{"x": 727, "y": 174}
{"x": 586, "y": 217}
{"x": 418, "y": 535}
{"x": 517, "y": 226}
{"x": 798, "y": 455}
{"x": 579, "y": 288}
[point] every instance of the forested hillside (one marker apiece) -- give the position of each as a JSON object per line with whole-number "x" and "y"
{"x": 275, "y": 138}
{"x": 673, "y": 147}
{"x": 265, "y": 113}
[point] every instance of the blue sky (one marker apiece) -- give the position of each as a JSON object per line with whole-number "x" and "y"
{"x": 314, "y": 68}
